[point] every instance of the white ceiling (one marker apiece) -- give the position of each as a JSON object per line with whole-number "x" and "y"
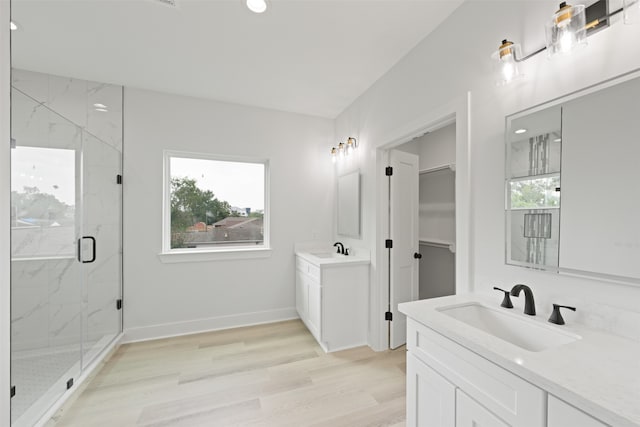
{"x": 306, "y": 56}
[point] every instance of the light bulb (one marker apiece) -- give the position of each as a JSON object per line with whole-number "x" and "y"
{"x": 508, "y": 70}
{"x": 13, "y": 26}
{"x": 333, "y": 154}
{"x": 257, "y": 6}
{"x": 566, "y": 42}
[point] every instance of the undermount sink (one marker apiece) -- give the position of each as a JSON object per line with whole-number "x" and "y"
{"x": 327, "y": 255}
{"x": 525, "y": 333}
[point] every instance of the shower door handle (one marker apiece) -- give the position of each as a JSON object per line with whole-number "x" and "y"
{"x": 93, "y": 249}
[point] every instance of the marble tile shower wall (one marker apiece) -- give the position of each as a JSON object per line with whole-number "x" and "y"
{"x": 57, "y": 301}
{"x": 75, "y": 100}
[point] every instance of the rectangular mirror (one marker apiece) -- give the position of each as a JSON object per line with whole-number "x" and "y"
{"x": 571, "y": 183}
{"x": 349, "y": 204}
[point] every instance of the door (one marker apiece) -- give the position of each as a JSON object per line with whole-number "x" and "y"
{"x": 403, "y": 232}
{"x": 315, "y": 308}
{"x": 101, "y": 244}
{"x": 470, "y": 413}
{"x": 431, "y": 400}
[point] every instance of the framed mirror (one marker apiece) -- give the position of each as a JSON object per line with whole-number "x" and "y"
{"x": 571, "y": 183}
{"x": 349, "y": 205}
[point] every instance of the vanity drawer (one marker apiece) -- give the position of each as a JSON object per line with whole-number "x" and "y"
{"x": 511, "y": 398}
{"x": 307, "y": 268}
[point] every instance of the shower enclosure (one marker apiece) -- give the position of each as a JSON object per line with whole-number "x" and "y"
{"x": 66, "y": 222}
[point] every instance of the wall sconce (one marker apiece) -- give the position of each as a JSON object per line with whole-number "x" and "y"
{"x": 505, "y": 64}
{"x": 352, "y": 144}
{"x": 567, "y": 29}
{"x": 344, "y": 149}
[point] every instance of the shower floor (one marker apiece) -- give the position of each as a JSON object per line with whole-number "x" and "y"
{"x": 40, "y": 377}
{"x": 34, "y": 375}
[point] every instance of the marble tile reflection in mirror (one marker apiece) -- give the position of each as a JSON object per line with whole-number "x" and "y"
{"x": 585, "y": 144}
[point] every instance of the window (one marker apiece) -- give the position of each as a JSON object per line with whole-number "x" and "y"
{"x": 43, "y": 199}
{"x": 215, "y": 204}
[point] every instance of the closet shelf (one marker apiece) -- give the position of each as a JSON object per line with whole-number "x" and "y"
{"x": 438, "y": 243}
{"x": 450, "y": 166}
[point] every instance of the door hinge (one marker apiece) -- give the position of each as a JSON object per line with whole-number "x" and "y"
{"x": 118, "y": 179}
{"x": 119, "y": 304}
{"x": 388, "y": 244}
{"x": 388, "y": 316}
{"x": 13, "y": 391}
{"x": 69, "y": 383}
{"x": 388, "y": 171}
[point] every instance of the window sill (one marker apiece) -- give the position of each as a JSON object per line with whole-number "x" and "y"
{"x": 217, "y": 255}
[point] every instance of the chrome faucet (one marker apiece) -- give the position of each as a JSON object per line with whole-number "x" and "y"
{"x": 340, "y": 247}
{"x": 529, "y": 303}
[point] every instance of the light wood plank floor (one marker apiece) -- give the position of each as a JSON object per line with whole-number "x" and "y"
{"x": 266, "y": 375}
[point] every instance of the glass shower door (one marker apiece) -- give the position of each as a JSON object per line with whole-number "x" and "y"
{"x": 101, "y": 245}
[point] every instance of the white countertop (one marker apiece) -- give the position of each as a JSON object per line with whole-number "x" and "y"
{"x": 333, "y": 261}
{"x": 599, "y": 373}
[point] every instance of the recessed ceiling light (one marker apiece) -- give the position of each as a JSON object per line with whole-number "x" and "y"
{"x": 257, "y": 6}
{"x": 104, "y": 110}
{"x": 99, "y": 105}
{"x": 13, "y": 26}
{"x": 519, "y": 131}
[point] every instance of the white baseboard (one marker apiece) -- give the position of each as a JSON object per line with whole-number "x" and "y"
{"x": 167, "y": 330}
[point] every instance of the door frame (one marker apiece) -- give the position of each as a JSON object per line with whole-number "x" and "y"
{"x": 457, "y": 111}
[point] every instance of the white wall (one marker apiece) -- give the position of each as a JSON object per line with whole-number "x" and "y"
{"x": 437, "y": 148}
{"x": 5, "y": 195}
{"x": 164, "y": 299}
{"x": 442, "y": 68}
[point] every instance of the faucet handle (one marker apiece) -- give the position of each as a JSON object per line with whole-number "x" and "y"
{"x": 346, "y": 251}
{"x": 506, "y": 301}
{"x": 556, "y": 317}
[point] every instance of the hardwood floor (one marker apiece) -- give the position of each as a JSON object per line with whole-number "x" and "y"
{"x": 266, "y": 375}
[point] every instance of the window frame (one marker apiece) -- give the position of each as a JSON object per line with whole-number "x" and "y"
{"x": 169, "y": 255}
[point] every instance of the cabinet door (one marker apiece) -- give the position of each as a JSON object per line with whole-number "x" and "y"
{"x": 562, "y": 414}
{"x": 301, "y": 295}
{"x": 469, "y": 413}
{"x": 314, "y": 309}
{"x": 430, "y": 398}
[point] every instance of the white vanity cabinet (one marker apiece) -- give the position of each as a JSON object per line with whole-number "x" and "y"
{"x": 433, "y": 397}
{"x": 470, "y": 413}
{"x": 561, "y": 414}
{"x": 449, "y": 385}
{"x": 332, "y": 300}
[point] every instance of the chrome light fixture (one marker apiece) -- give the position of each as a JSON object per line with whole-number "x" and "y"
{"x": 567, "y": 29}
